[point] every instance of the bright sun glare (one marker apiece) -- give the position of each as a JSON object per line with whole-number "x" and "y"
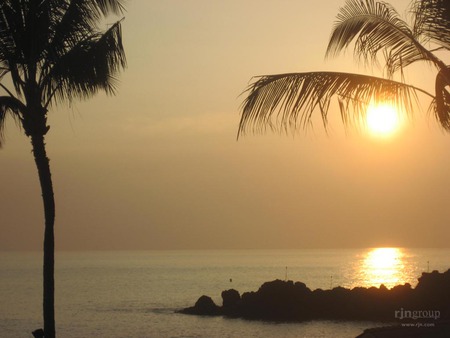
{"x": 384, "y": 266}
{"x": 383, "y": 258}
{"x": 382, "y": 119}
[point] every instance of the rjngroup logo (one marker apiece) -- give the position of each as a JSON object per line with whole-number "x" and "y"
{"x": 417, "y": 314}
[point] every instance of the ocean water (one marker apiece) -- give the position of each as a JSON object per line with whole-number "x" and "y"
{"x": 136, "y": 294}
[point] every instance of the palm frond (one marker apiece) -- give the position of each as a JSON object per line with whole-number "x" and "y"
{"x": 24, "y": 28}
{"x": 92, "y": 10}
{"x": 72, "y": 20}
{"x": 34, "y": 35}
{"x": 88, "y": 67}
{"x": 288, "y": 101}
{"x": 432, "y": 19}
{"x": 12, "y": 107}
{"x": 110, "y": 6}
{"x": 442, "y": 102}
{"x": 375, "y": 27}
{"x": 11, "y": 31}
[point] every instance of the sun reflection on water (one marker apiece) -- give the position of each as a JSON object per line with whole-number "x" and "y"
{"x": 383, "y": 266}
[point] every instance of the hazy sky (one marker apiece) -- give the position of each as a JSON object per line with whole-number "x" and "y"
{"x": 158, "y": 166}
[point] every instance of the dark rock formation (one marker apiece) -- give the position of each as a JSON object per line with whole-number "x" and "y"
{"x": 204, "y": 306}
{"x": 231, "y": 301}
{"x": 288, "y": 301}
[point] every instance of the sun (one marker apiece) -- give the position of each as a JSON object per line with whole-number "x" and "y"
{"x": 382, "y": 119}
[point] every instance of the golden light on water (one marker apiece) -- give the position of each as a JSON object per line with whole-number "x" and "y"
{"x": 382, "y": 119}
{"x": 384, "y": 266}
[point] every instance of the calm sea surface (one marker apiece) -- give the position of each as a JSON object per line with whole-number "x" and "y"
{"x": 135, "y": 294}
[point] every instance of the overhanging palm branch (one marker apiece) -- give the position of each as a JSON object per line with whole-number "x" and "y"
{"x": 289, "y": 100}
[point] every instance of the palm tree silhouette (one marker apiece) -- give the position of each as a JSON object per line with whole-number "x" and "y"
{"x": 288, "y": 101}
{"x": 53, "y": 51}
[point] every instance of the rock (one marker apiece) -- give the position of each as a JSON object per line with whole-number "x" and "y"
{"x": 231, "y": 300}
{"x": 204, "y": 306}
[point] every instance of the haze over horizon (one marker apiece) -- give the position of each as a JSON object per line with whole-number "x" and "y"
{"x": 158, "y": 165}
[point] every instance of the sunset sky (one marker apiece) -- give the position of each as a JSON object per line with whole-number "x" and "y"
{"x": 158, "y": 165}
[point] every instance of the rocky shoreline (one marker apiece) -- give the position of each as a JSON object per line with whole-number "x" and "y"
{"x": 427, "y": 303}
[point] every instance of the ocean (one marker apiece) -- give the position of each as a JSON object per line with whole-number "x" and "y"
{"x": 126, "y": 294}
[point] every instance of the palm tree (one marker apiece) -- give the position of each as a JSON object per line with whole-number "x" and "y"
{"x": 288, "y": 101}
{"x": 53, "y": 51}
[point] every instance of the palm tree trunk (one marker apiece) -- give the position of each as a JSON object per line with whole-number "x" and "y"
{"x": 45, "y": 179}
